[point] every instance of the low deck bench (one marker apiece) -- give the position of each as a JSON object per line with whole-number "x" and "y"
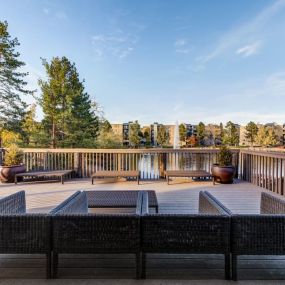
{"x": 190, "y": 173}
{"x": 39, "y": 174}
{"x": 116, "y": 174}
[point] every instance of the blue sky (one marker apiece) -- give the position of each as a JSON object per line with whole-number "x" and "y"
{"x": 159, "y": 60}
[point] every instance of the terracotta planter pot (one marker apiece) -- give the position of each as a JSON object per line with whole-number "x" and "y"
{"x": 7, "y": 173}
{"x": 223, "y": 174}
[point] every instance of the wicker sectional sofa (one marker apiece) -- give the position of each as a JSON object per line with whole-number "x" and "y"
{"x": 70, "y": 229}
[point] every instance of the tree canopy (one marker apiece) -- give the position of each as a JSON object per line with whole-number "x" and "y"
{"x": 134, "y": 134}
{"x": 162, "y": 136}
{"x": 265, "y": 137}
{"x": 69, "y": 114}
{"x": 251, "y": 132}
{"x": 201, "y": 133}
{"x": 231, "y": 134}
{"x": 12, "y": 82}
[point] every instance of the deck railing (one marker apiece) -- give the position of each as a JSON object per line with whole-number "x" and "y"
{"x": 150, "y": 162}
{"x": 264, "y": 168}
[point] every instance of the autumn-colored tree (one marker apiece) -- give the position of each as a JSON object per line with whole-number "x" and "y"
{"x": 265, "y": 137}
{"x": 192, "y": 141}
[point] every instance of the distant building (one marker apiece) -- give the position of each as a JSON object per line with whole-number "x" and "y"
{"x": 243, "y": 141}
{"x": 153, "y": 133}
{"x": 170, "y": 129}
{"x": 190, "y": 130}
{"x": 126, "y": 133}
{"x": 122, "y": 130}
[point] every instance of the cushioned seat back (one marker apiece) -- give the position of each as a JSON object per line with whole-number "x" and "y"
{"x": 96, "y": 233}
{"x": 25, "y": 233}
{"x": 185, "y": 233}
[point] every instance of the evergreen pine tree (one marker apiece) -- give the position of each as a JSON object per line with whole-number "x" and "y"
{"x": 69, "y": 114}
{"x": 12, "y": 82}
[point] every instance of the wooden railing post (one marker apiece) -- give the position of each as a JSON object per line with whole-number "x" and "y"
{"x": 2, "y": 153}
{"x": 162, "y": 165}
{"x": 78, "y": 164}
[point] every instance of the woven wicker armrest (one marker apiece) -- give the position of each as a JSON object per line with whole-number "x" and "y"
{"x": 75, "y": 204}
{"x": 13, "y": 204}
{"x": 28, "y": 233}
{"x": 139, "y": 203}
{"x": 94, "y": 233}
{"x": 208, "y": 204}
{"x": 271, "y": 205}
{"x": 145, "y": 203}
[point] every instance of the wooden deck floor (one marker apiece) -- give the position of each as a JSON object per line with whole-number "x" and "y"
{"x": 181, "y": 196}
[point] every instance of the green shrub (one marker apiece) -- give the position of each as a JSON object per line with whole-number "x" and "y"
{"x": 13, "y": 156}
{"x": 225, "y": 156}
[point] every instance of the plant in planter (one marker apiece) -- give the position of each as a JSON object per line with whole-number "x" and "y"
{"x": 224, "y": 171}
{"x": 13, "y": 164}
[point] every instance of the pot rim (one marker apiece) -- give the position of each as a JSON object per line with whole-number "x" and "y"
{"x": 227, "y": 166}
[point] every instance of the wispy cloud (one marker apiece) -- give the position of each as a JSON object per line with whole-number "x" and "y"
{"x": 53, "y": 12}
{"x": 249, "y": 50}
{"x": 243, "y": 33}
{"x": 61, "y": 15}
{"x": 181, "y": 46}
{"x": 118, "y": 44}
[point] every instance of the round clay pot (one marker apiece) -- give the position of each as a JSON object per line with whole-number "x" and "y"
{"x": 7, "y": 173}
{"x": 223, "y": 174}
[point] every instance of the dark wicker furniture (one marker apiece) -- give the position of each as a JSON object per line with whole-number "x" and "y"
{"x": 118, "y": 199}
{"x": 21, "y": 232}
{"x": 190, "y": 173}
{"x": 260, "y": 234}
{"x": 205, "y": 233}
{"x": 116, "y": 174}
{"x": 75, "y": 231}
{"x": 41, "y": 174}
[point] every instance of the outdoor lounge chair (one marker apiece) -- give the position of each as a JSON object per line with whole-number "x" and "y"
{"x": 75, "y": 231}
{"x": 207, "y": 232}
{"x": 21, "y": 232}
{"x": 260, "y": 234}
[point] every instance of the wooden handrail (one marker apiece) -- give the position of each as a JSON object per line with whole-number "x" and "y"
{"x": 129, "y": 150}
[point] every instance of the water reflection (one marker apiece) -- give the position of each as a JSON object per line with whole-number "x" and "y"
{"x": 151, "y": 165}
